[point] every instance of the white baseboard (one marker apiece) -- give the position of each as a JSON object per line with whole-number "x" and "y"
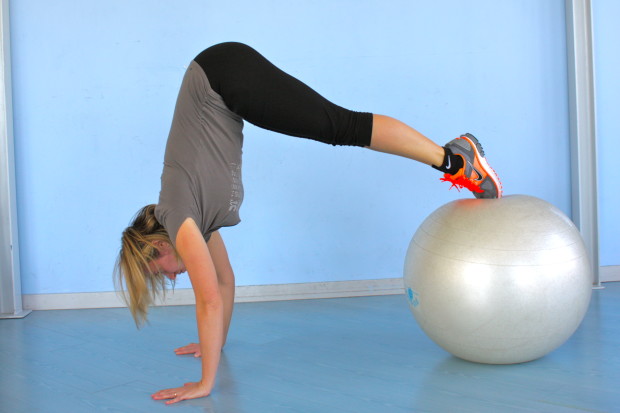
{"x": 253, "y": 293}
{"x": 610, "y": 273}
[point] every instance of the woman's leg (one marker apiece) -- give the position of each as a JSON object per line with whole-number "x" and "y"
{"x": 225, "y": 277}
{"x": 264, "y": 95}
{"x": 392, "y": 136}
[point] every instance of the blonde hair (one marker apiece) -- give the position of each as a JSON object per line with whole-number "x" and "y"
{"x": 137, "y": 285}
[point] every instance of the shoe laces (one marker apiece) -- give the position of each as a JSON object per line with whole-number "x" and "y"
{"x": 461, "y": 182}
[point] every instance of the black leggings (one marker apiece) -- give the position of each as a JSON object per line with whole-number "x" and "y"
{"x": 259, "y": 92}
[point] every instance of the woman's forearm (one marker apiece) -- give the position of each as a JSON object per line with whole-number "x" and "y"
{"x": 228, "y": 299}
{"x": 210, "y": 320}
{"x": 225, "y": 277}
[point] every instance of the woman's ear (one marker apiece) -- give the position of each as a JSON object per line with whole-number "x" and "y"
{"x": 161, "y": 245}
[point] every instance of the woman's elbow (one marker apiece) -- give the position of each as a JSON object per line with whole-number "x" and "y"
{"x": 211, "y": 302}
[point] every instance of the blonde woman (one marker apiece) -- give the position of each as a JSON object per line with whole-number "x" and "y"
{"x": 201, "y": 188}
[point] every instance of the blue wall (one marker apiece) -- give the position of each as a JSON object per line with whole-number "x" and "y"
{"x": 606, "y": 14}
{"x": 94, "y": 89}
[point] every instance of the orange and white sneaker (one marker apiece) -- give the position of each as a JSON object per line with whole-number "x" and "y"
{"x": 476, "y": 174}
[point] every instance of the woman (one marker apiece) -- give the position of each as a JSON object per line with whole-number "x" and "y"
{"x": 201, "y": 189}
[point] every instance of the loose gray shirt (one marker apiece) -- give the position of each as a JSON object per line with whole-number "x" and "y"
{"x": 202, "y": 164}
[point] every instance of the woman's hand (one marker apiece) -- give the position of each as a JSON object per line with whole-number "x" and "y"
{"x": 188, "y": 391}
{"x": 191, "y": 348}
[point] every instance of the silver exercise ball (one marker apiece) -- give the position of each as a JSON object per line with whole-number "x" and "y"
{"x": 498, "y": 281}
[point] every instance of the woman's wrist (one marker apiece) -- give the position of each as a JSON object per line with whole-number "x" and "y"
{"x": 206, "y": 384}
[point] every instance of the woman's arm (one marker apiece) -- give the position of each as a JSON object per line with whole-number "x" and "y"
{"x": 226, "y": 281}
{"x": 195, "y": 254}
{"x": 225, "y": 277}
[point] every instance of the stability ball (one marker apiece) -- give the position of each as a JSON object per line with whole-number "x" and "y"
{"x": 498, "y": 281}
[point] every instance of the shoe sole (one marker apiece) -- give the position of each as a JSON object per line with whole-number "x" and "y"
{"x": 479, "y": 151}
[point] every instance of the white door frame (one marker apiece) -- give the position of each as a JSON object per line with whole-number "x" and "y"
{"x": 584, "y": 163}
{"x": 10, "y": 284}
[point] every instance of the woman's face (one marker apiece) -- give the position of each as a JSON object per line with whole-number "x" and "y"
{"x": 168, "y": 263}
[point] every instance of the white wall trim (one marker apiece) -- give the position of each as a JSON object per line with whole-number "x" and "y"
{"x": 250, "y": 293}
{"x": 253, "y": 293}
{"x": 610, "y": 273}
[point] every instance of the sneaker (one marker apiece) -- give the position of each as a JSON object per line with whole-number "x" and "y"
{"x": 476, "y": 174}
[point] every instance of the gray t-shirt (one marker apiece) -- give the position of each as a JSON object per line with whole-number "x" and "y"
{"x": 202, "y": 165}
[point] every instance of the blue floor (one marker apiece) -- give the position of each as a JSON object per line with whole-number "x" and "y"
{"x": 340, "y": 355}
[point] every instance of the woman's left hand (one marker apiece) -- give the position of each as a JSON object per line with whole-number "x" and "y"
{"x": 191, "y": 348}
{"x": 188, "y": 391}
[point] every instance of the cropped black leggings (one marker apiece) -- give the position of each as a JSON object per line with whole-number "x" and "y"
{"x": 259, "y": 92}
